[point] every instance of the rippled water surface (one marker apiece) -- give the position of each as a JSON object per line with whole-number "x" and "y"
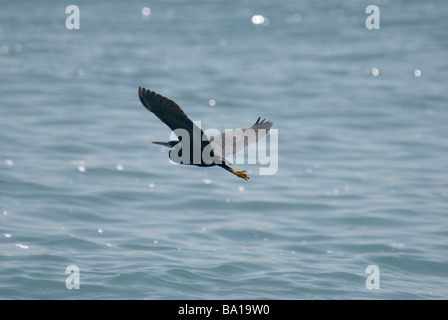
{"x": 362, "y": 150}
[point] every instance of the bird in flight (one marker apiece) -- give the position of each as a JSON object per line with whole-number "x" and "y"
{"x": 193, "y": 146}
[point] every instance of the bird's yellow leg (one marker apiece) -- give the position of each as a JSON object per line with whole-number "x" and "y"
{"x": 241, "y": 173}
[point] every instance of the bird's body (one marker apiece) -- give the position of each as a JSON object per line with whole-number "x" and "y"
{"x": 194, "y": 147}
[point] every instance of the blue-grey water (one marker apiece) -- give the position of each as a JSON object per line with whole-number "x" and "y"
{"x": 362, "y": 174}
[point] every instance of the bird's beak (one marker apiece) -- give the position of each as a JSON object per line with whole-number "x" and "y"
{"x": 166, "y": 144}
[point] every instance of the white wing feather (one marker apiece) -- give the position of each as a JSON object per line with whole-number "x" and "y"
{"x": 230, "y": 142}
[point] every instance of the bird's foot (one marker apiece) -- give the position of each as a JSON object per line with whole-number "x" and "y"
{"x": 241, "y": 173}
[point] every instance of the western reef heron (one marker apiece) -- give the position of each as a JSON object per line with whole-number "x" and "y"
{"x": 193, "y": 146}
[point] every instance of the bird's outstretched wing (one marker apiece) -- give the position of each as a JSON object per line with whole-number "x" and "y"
{"x": 230, "y": 142}
{"x": 168, "y": 111}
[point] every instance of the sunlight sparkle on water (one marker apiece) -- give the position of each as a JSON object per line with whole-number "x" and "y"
{"x": 259, "y": 19}
{"x": 375, "y": 72}
{"x": 146, "y": 11}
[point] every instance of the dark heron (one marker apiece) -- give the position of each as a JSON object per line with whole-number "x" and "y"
{"x": 192, "y": 140}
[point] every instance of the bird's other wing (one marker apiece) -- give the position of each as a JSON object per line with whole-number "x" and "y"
{"x": 236, "y": 140}
{"x": 167, "y": 110}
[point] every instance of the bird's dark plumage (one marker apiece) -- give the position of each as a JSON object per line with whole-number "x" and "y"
{"x": 167, "y": 110}
{"x": 173, "y": 116}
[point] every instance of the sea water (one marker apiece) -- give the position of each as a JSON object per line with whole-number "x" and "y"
{"x": 90, "y": 209}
